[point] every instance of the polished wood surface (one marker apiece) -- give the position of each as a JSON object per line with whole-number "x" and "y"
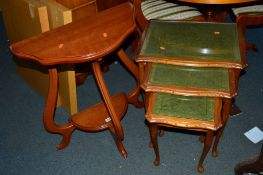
{"x": 88, "y": 40}
{"x": 105, "y": 4}
{"x": 217, "y": 1}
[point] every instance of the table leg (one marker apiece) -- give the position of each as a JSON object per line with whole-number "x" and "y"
{"x": 117, "y": 129}
{"x": 209, "y": 11}
{"x": 154, "y": 140}
{"x": 225, "y": 115}
{"x": 207, "y": 145}
{"x": 212, "y": 15}
{"x": 48, "y": 118}
{"x": 235, "y": 110}
{"x": 134, "y": 94}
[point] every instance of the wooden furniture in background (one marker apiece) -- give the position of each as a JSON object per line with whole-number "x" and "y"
{"x": 62, "y": 46}
{"x": 249, "y": 15}
{"x": 105, "y": 4}
{"x": 26, "y": 18}
{"x": 211, "y": 5}
{"x": 80, "y": 8}
{"x": 162, "y": 10}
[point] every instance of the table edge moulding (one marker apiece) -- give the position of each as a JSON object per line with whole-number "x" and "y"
{"x": 148, "y": 86}
{"x": 188, "y": 61}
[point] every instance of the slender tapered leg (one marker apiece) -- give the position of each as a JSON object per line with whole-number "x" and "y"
{"x": 202, "y": 138}
{"x": 116, "y": 128}
{"x": 133, "y": 96}
{"x": 154, "y": 133}
{"x": 227, "y": 106}
{"x": 207, "y": 145}
{"x": 48, "y": 118}
{"x": 250, "y": 46}
{"x": 118, "y": 142}
{"x": 161, "y": 132}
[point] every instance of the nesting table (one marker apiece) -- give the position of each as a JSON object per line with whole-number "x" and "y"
{"x": 189, "y": 72}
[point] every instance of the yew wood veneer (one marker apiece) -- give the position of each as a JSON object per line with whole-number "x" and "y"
{"x": 86, "y": 40}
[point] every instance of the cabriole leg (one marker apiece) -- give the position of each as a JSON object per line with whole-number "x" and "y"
{"x": 65, "y": 130}
{"x": 154, "y": 133}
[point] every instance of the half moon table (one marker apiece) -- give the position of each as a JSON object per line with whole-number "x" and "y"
{"x": 87, "y": 40}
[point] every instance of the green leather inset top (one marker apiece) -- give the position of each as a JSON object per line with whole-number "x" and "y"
{"x": 192, "y": 40}
{"x": 196, "y": 77}
{"x": 197, "y": 108}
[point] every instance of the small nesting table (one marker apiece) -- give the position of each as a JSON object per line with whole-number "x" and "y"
{"x": 189, "y": 98}
{"x": 87, "y": 40}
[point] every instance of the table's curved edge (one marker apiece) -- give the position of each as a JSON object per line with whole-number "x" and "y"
{"x": 75, "y": 58}
{"x": 190, "y": 62}
{"x": 90, "y": 56}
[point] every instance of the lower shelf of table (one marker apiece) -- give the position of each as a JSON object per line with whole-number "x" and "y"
{"x": 96, "y": 117}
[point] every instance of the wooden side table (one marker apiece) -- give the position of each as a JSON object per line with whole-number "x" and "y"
{"x": 87, "y": 40}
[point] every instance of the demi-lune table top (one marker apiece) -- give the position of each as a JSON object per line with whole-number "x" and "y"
{"x": 80, "y": 41}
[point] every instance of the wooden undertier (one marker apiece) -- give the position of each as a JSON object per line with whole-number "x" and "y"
{"x": 96, "y": 117}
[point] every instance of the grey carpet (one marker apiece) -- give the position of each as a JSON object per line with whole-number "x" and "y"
{"x": 27, "y": 149}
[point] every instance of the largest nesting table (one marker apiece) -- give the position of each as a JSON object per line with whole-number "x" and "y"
{"x": 87, "y": 40}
